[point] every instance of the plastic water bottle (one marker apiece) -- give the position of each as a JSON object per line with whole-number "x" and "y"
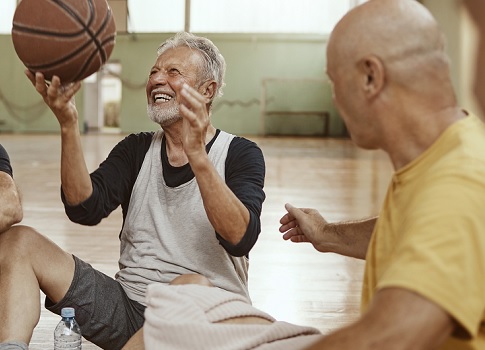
{"x": 67, "y": 334}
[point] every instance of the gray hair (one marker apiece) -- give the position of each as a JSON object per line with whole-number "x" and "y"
{"x": 214, "y": 66}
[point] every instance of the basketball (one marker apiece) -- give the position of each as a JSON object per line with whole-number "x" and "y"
{"x": 68, "y": 38}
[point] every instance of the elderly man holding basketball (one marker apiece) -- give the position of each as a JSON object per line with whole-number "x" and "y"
{"x": 191, "y": 197}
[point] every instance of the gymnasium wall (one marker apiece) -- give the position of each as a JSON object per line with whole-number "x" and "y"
{"x": 461, "y": 37}
{"x": 250, "y": 58}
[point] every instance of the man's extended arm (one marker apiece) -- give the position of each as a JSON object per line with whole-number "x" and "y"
{"x": 225, "y": 211}
{"x": 75, "y": 179}
{"x": 345, "y": 238}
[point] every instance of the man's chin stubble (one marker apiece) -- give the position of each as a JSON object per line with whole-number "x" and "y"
{"x": 163, "y": 117}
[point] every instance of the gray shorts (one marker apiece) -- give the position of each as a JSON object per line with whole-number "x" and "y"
{"x": 107, "y": 317}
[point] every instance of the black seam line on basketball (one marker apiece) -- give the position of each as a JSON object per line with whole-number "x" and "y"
{"x": 90, "y": 59}
{"x": 75, "y": 16}
{"x": 106, "y": 19}
{"x": 86, "y": 26}
{"x": 30, "y": 30}
{"x": 100, "y": 46}
{"x": 71, "y": 55}
{"x": 62, "y": 59}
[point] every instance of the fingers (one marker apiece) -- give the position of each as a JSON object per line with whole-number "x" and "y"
{"x": 287, "y": 224}
{"x": 187, "y": 113}
{"x": 288, "y": 221}
{"x": 291, "y": 233}
{"x": 287, "y": 218}
{"x": 293, "y": 212}
{"x": 30, "y": 76}
{"x": 38, "y": 81}
{"x": 295, "y": 235}
{"x": 54, "y": 88}
{"x": 300, "y": 239}
{"x": 192, "y": 104}
{"x": 194, "y": 98}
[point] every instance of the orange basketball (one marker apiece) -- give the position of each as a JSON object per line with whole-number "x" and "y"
{"x": 68, "y": 38}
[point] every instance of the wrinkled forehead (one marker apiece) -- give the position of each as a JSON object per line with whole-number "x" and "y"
{"x": 182, "y": 55}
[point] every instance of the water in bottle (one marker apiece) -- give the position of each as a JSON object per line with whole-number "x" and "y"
{"x": 67, "y": 334}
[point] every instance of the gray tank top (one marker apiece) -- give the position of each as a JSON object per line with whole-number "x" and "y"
{"x": 167, "y": 233}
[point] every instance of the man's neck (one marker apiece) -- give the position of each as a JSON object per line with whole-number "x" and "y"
{"x": 174, "y": 145}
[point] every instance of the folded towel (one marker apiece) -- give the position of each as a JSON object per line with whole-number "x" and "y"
{"x": 184, "y": 317}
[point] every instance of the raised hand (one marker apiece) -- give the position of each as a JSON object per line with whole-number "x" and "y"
{"x": 59, "y": 98}
{"x": 193, "y": 108}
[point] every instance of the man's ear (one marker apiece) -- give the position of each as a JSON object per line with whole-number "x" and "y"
{"x": 373, "y": 74}
{"x": 208, "y": 89}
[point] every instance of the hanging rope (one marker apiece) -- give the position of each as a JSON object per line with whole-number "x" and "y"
{"x": 24, "y": 114}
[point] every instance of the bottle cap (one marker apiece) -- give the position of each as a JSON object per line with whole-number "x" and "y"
{"x": 67, "y": 312}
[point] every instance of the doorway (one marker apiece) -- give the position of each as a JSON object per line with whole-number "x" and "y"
{"x": 102, "y": 99}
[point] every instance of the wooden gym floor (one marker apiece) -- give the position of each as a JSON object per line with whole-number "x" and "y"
{"x": 292, "y": 282}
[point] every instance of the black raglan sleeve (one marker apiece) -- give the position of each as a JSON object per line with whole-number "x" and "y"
{"x": 112, "y": 181}
{"x": 245, "y": 173}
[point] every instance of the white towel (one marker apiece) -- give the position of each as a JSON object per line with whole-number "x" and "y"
{"x": 183, "y": 317}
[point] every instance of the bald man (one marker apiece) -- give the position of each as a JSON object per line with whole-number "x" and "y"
{"x": 424, "y": 285}
{"x": 476, "y": 9}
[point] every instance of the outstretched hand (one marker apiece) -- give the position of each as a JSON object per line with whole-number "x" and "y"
{"x": 303, "y": 225}
{"x": 59, "y": 98}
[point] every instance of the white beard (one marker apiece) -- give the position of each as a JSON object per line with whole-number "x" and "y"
{"x": 162, "y": 115}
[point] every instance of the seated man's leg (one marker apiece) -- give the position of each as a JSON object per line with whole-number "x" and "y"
{"x": 192, "y": 279}
{"x": 136, "y": 341}
{"x": 107, "y": 317}
{"x": 29, "y": 262}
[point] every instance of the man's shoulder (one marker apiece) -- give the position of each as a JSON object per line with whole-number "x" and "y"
{"x": 140, "y": 136}
{"x": 243, "y": 142}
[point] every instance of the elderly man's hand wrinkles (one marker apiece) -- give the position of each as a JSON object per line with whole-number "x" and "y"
{"x": 59, "y": 98}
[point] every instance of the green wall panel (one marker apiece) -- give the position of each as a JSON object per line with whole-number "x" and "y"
{"x": 250, "y": 59}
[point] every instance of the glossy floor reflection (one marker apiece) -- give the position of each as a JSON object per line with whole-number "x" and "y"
{"x": 292, "y": 282}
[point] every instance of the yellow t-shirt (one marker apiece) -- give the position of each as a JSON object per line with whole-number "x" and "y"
{"x": 430, "y": 235}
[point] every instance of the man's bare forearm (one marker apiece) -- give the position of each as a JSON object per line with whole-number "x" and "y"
{"x": 76, "y": 182}
{"x": 350, "y": 238}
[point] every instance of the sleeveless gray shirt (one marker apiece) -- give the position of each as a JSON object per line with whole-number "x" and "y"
{"x": 167, "y": 233}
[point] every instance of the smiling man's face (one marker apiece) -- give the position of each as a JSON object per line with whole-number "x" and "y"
{"x": 172, "y": 68}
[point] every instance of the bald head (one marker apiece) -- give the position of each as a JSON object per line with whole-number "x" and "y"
{"x": 388, "y": 66}
{"x": 401, "y": 33}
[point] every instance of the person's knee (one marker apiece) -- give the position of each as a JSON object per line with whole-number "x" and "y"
{"x": 18, "y": 241}
{"x": 192, "y": 279}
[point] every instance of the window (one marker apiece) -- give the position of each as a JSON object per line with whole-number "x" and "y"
{"x": 7, "y": 9}
{"x": 156, "y": 16}
{"x": 266, "y": 16}
{"x": 222, "y": 16}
